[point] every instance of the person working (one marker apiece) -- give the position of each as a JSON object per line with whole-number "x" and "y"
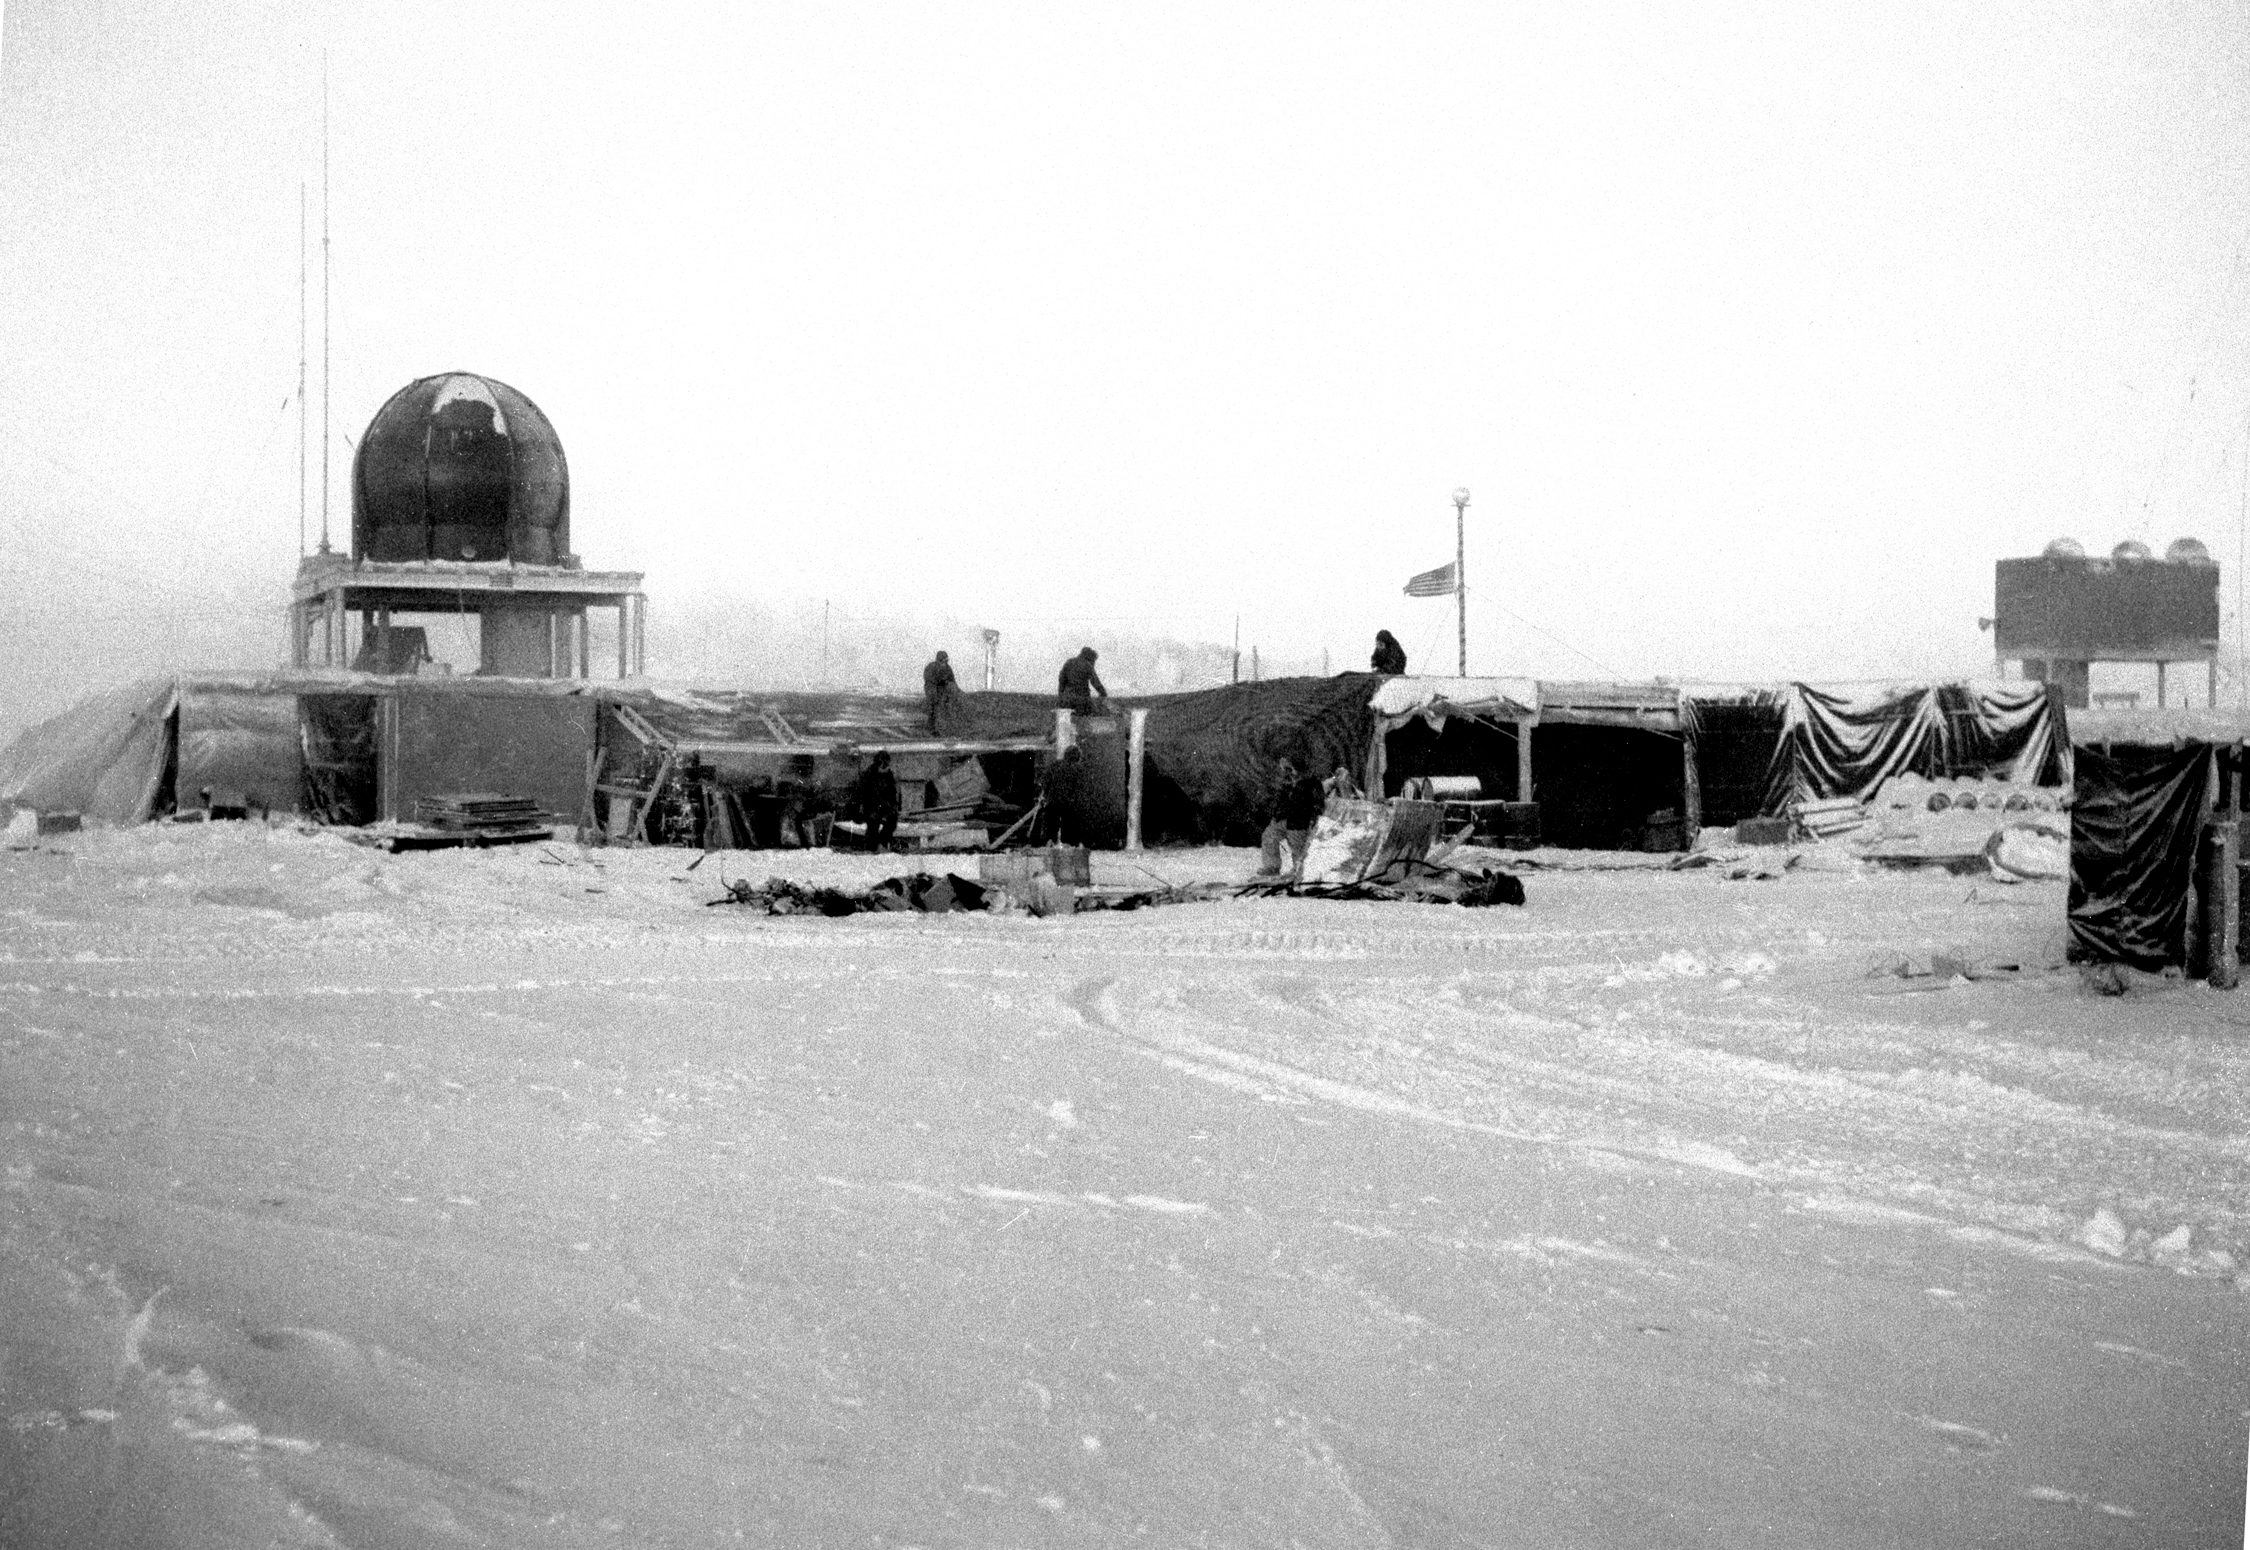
{"x": 939, "y": 689}
{"x": 877, "y": 793}
{"x": 1297, "y": 805}
{"x": 1078, "y": 683}
{"x": 1390, "y": 656}
{"x": 1059, "y": 791}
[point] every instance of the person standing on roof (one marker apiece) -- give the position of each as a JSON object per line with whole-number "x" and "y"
{"x": 1078, "y": 683}
{"x": 940, "y": 689}
{"x": 1390, "y": 656}
{"x": 1297, "y": 806}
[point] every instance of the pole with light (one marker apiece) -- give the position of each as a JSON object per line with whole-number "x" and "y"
{"x": 1461, "y": 573}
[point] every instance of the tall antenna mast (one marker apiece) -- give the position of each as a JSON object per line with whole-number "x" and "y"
{"x": 1461, "y": 576}
{"x": 300, "y": 370}
{"x": 324, "y": 459}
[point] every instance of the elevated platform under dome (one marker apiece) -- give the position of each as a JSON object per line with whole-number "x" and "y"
{"x": 531, "y": 618}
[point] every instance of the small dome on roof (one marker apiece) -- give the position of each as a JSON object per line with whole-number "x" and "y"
{"x": 2131, "y": 549}
{"x": 2064, "y": 549}
{"x": 460, "y": 467}
{"x": 2188, "y": 551}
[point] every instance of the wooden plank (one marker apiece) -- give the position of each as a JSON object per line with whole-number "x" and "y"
{"x": 636, "y": 723}
{"x": 648, "y": 804}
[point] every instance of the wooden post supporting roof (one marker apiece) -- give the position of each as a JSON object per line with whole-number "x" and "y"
{"x": 2220, "y": 877}
{"x": 1134, "y": 759}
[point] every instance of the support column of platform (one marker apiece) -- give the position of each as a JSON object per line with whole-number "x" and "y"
{"x": 632, "y": 635}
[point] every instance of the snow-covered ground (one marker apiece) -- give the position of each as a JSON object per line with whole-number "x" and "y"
{"x": 516, "y": 1198}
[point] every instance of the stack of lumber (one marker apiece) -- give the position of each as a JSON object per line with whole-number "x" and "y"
{"x": 486, "y": 813}
{"x": 1829, "y": 816}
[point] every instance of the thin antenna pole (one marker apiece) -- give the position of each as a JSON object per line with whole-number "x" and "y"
{"x": 324, "y": 274}
{"x": 2241, "y": 553}
{"x": 1461, "y": 575}
{"x": 301, "y": 370}
{"x": 1236, "y": 676}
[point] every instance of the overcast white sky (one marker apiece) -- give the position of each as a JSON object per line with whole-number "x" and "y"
{"x": 1758, "y": 332}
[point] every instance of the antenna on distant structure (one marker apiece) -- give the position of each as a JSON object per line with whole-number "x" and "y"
{"x": 324, "y": 272}
{"x": 300, "y": 370}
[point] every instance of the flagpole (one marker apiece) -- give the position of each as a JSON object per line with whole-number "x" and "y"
{"x": 1461, "y": 574}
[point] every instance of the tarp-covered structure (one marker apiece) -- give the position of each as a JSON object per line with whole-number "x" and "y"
{"x": 1603, "y": 761}
{"x": 1208, "y": 756}
{"x": 339, "y": 746}
{"x": 1846, "y": 740}
{"x": 1579, "y": 764}
{"x": 787, "y": 760}
{"x": 1211, "y": 754}
{"x": 1612, "y": 767}
{"x": 2144, "y": 790}
{"x": 105, "y": 758}
{"x": 1436, "y": 727}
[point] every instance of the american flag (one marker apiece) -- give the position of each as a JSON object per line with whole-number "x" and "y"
{"x": 1432, "y": 583}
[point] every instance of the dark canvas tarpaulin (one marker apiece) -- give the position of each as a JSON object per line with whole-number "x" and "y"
{"x": 523, "y": 745}
{"x": 1211, "y": 753}
{"x": 104, "y": 758}
{"x": 2134, "y": 825}
{"x": 1734, "y": 734}
{"x": 1836, "y": 743}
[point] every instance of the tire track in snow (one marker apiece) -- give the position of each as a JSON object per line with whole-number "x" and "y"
{"x": 1094, "y": 1003}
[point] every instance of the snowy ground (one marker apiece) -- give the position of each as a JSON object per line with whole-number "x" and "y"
{"x": 515, "y": 1198}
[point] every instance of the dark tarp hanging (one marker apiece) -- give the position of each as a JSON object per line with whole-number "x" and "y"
{"x": 1734, "y": 734}
{"x": 1837, "y": 744}
{"x": 2133, "y": 828}
{"x": 1211, "y": 754}
{"x": 523, "y": 744}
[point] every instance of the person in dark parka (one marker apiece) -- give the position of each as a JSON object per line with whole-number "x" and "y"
{"x": 1297, "y": 805}
{"x": 1078, "y": 683}
{"x": 940, "y": 689}
{"x": 877, "y": 793}
{"x": 1059, "y": 795}
{"x": 1390, "y": 656}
